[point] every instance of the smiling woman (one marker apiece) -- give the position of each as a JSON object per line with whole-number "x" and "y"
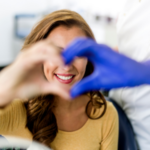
{"x": 86, "y": 122}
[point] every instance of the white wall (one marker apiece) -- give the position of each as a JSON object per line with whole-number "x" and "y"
{"x": 9, "y": 8}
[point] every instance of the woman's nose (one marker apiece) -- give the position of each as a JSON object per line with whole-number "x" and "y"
{"x": 67, "y": 67}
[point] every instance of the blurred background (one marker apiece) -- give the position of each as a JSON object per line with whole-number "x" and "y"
{"x": 18, "y": 17}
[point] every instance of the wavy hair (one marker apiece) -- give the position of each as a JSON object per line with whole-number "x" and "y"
{"x": 40, "y": 119}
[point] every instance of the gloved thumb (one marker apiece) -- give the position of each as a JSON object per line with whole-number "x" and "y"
{"x": 85, "y": 85}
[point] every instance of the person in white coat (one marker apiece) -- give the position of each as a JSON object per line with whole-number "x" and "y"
{"x": 133, "y": 29}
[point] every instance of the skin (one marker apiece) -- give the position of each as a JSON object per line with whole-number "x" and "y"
{"x": 70, "y": 115}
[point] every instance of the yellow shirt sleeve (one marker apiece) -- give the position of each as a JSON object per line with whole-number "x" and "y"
{"x": 13, "y": 120}
{"x": 110, "y": 129}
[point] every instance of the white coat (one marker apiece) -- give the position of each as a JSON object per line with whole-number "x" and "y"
{"x": 133, "y": 30}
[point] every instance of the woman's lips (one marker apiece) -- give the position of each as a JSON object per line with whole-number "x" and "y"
{"x": 64, "y": 78}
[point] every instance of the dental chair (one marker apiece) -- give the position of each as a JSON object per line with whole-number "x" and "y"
{"x": 126, "y": 135}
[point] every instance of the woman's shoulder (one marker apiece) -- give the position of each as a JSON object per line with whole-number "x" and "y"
{"x": 107, "y": 124}
{"x": 110, "y": 110}
{"x": 12, "y": 115}
{"x": 109, "y": 113}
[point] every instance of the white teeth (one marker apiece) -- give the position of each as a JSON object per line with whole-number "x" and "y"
{"x": 64, "y": 77}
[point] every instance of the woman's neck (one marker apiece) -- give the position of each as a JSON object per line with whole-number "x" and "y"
{"x": 70, "y": 115}
{"x": 68, "y": 106}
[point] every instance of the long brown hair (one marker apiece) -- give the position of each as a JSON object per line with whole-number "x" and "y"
{"x": 40, "y": 119}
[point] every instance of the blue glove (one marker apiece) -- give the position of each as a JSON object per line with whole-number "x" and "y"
{"x": 111, "y": 69}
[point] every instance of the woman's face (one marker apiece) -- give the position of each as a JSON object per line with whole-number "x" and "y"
{"x": 61, "y": 36}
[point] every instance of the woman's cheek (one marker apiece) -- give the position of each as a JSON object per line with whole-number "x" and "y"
{"x": 48, "y": 70}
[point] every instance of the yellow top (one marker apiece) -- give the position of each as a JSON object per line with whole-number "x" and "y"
{"x": 100, "y": 134}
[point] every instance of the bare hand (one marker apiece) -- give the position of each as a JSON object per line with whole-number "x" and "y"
{"x": 24, "y": 78}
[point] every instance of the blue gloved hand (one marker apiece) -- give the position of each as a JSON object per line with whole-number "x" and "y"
{"x": 111, "y": 69}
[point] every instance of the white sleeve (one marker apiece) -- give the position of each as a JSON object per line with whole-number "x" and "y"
{"x": 133, "y": 29}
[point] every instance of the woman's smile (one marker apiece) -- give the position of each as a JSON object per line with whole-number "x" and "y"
{"x": 64, "y": 78}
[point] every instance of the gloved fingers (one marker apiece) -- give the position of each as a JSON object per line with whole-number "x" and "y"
{"x": 85, "y": 85}
{"x": 146, "y": 62}
{"x": 80, "y": 47}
